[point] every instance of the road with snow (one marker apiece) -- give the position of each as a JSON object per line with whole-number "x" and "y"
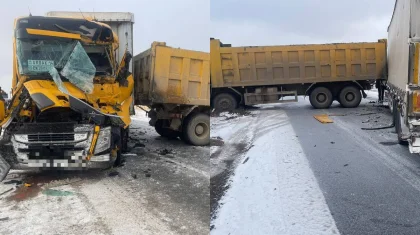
{"x": 277, "y": 170}
{"x": 163, "y": 188}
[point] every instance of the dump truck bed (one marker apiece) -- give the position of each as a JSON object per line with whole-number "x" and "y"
{"x": 292, "y": 64}
{"x": 169, "y": 75}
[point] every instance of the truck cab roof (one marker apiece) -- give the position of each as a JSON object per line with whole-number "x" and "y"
{"x": 93, "y": 30}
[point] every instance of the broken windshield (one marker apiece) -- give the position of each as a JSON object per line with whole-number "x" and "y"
{"x": 79, "y": 69}
{"x": 36, "y": 57}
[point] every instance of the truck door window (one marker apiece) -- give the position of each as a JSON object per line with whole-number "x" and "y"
{"x": 100, "y": 59}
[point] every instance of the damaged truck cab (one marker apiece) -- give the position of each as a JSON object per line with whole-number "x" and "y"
{"x": 70, "y": 98}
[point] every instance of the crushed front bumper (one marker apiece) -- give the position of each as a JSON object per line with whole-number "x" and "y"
{"x": 44, "y": 146}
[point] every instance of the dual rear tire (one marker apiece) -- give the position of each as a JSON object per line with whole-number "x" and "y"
{"x": 322, "y": 97}
{"x": 195, "y": 129}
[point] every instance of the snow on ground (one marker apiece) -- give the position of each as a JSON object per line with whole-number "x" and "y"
{"x": 273, "y": 189}
{"x": 140, "y": 114}
{"x": 67, "y": 215}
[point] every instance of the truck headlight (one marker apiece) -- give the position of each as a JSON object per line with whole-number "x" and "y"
{"x": 104, "y": 140}
{"x": 21, "y": 138}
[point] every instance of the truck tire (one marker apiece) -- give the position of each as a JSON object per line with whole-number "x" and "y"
{"x": 119, "y": 160}
{"x": 397, "y": 123}
{"x": 165, "y": 132}
{"x": 225, "y": 102}
{"x": 321, "y": 98}
{"x": 196, "y": 129}
{"x": 125, "y": 135}
{"x": 350, "y": 97}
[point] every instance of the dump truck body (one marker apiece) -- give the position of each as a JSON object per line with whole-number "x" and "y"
{"x": 70, "y": 99}
{"x": 403, "y": 88}
{"x": 175, "y": 84}
{"x": 265, "y": 74}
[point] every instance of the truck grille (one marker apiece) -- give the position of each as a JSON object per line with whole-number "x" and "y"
{"x": 50, "y": 137}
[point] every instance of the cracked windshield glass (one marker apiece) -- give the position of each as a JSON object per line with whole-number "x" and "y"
{"x": 41, "y": 57}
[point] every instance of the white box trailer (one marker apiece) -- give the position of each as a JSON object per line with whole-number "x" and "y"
{"x": 120, "y": 22}
{"x": 403, "y": 90}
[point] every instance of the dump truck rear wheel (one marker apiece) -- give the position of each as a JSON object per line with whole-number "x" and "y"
{"x": 321, "y": 98}
{"x": 350, "y": 97}
{"x": 165, "y": 132}
{"x": 197, "y": 130}
{"x": 225, "y": 102}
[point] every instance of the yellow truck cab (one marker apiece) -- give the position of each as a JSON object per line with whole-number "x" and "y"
{"x": 70, "y": 97}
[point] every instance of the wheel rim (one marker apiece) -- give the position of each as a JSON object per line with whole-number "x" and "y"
{"x": 224, "y": 104}
{"x": 321, "y": 97}
{"x": 350, "y": 96}
{"x": 201, "y": 129}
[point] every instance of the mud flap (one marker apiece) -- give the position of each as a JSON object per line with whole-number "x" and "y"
{"x": 4, "y": 168}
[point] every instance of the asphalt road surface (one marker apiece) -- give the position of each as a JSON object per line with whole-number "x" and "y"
{"x": 370, "y": 183}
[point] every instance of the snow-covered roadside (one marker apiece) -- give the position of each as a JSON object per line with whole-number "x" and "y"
{"x": 140, "y": 115}
{"x": 273, "y": 189}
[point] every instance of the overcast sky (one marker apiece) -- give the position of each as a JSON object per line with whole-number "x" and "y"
{"x": 180, "y": 23}
{"x": 274, "y": 22}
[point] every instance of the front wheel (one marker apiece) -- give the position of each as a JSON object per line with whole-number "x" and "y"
{"x": 125, "y": 133}
{"x": 196, "y": 130}
{"x": 225, "y": 102}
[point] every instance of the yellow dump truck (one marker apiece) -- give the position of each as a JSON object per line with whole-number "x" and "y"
{"x": 175, "y": 84}
{"x": 70, "y": 97}
{"x": 275, "y": 74}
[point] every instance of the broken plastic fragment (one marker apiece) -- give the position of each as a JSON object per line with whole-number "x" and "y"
{"x": 323, "y": 118}
{"x": 79, "y": 69}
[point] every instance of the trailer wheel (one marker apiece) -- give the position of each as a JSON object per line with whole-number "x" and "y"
{"x": 321, "y": 98}
{"x": 225, "y": 102}
{"x": 196, "y": 130}
{"x": 165, "y": 132}
{"x": 350, "y": 97}
{"x": 397, "y": 123}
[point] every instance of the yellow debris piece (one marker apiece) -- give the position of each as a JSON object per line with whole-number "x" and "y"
{"x": 323, "y": 118}
{"x": 27, "y": 185}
